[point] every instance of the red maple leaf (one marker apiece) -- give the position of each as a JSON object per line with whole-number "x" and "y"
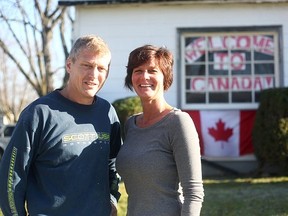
{"x": 220, "y": 133}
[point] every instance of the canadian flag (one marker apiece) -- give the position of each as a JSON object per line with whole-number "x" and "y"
{"x": 224, "y": 133}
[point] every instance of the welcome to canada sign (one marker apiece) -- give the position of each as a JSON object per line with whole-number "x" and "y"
{"x": 236, "y": 54}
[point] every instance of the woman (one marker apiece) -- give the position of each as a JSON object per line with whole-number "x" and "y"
{"x": 161, "y": 147}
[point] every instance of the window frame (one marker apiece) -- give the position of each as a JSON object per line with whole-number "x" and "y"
{"x": 184, "y": 33}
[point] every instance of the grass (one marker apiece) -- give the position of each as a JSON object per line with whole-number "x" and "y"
{"x": 237, "y": 197}
{"x": 247, "y": 197}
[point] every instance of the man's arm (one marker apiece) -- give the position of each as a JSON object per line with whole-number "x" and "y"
{"x": 13, "y": 175}
{"x": 114, "y": 178}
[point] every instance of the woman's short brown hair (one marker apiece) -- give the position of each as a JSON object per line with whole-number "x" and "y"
{"x": 141, "y": 55}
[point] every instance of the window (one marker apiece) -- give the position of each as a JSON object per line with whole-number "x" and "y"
{"x": 227, "y": 69}
{"x": 8, "y": 131}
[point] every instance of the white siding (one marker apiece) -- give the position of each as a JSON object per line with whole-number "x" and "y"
{"x": 126, "y": 27}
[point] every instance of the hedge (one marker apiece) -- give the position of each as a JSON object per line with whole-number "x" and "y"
{"x": 270, "y": 131}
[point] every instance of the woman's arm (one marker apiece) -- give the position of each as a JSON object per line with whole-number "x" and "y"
{"x": 187, "y": 156}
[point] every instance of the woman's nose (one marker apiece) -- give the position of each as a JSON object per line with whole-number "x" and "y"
{"x": 145, "y": 74}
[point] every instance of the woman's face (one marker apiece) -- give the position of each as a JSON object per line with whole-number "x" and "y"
{"x": 147, "y": 81}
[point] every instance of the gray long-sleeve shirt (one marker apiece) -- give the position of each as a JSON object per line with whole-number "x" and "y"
{"x": 154, "y": 159}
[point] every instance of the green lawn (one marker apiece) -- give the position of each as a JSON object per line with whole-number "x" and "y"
{"x": 238, "y": 197}
{"x": 247, "y": 197}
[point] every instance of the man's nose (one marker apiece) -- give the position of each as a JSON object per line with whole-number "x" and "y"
{"x": 94, "y": 72}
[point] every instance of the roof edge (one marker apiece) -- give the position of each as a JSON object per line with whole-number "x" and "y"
{"x": 102, "y": 2}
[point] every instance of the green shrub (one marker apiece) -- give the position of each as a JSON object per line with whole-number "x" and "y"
{"x": 126, "y": 107}
{"x": 270, "y": 131}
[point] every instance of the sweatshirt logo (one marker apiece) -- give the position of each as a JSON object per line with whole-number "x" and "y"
{"x": 10, "y": 182}
{"x": 85, "y": 138}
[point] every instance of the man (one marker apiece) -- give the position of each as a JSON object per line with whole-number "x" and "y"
{"x": 61, "y": 156}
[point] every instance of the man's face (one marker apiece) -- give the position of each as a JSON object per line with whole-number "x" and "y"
{"x": 87, "y": 75}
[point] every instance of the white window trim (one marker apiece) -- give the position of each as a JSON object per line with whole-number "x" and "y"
{"x": 204, "y": 32}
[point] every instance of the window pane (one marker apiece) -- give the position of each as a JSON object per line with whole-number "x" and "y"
{"x": 257, "y": 96}
{"x": 8, "y": 131}
{"x": 264, "y": 47}
{"x": 195, "y": 57}
{"x": 264, "y": 68}
{"x": 220, "y": 57}
{"x": 196, "y": 84}
{"x": 218, "y": 97}
{"x": 263, "y": 57}
{"x": 241, "y": 97}
{"x": 240, "y": 55}
{"x": 243, "y": 71}
{"x": 218, "y": 69}
{"x": 237, "y": 60}
{"x": 195, "y": 70}
{"x": 263, "y": 82}
{"x": 218, "y": 42}
{"x": 195, "y": 49}
{"x": 243, "y": 42}
{"x": 187, "y": 84}
{"x": 196, "y": 43}
{"x": 195, "y": 98}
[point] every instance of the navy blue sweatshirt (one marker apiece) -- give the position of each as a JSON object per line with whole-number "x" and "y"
{"x": 61, "y": 159}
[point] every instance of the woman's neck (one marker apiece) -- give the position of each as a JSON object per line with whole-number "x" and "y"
{"x": 153, "y": 112}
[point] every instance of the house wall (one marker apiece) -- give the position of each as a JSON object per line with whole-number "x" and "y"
{"x": 127, "y": 26}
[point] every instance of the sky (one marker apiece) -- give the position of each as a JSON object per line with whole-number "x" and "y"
{"x": 11, "y": 12}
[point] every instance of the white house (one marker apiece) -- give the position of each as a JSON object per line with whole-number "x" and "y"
{"x": 226, "y": 52}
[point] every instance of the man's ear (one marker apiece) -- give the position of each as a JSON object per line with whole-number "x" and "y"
{"x": 68, "y": 65}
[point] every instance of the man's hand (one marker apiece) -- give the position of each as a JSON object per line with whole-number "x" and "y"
{"x": 113, "y": 210}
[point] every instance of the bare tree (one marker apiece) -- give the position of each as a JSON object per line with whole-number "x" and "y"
{"x": 28, "y": 38}
{"x": 34, "y": 43}
{"x": 15, "y": 93}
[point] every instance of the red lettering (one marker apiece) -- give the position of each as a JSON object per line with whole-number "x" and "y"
{"x": 223, "y": 83}
{"x": 246, "y": 83}
{"x": 266, "y": 82}
{"x": 243, "y": 42}
{"x": 211, "y": 84}
{"x": 221, "y": 59}
{"x": 197, "y": 84}
{"x": 234, "y": 83}
{"x": 264, "y": 44}
{"x": 269, "y": 47}
{"x": 237, "y": 61}
{"x": 195, "y": 49}
{"x": 258, "y": 83}
{"x": 192, "y": 55}
{"x": 210, "y": 42}
{"x": 269, "y": 82}
{"x": 259, "y": 41}
{"x": 215, "y": 42}
{"x": 199, "y": 43}
{"x": 232, "y": 42}
{"x": 226, "y": 42}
